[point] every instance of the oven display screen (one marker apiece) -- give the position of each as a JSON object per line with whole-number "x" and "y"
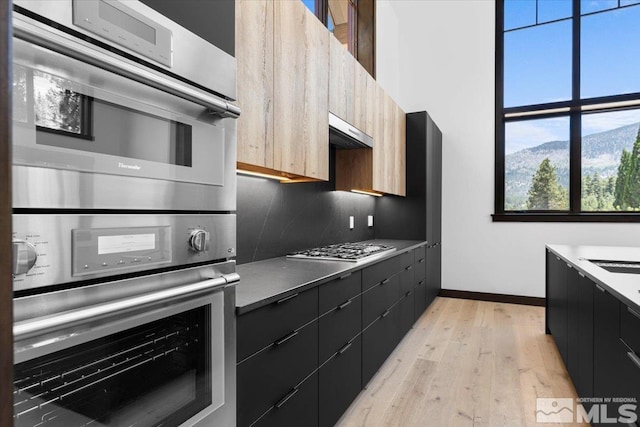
{"x": 126, "y": 22}
{"x": 125, "y": 243}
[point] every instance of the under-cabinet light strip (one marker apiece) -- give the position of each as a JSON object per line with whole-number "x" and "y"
{"x": 368, "y": 193}
{"x": 262, "y": 175}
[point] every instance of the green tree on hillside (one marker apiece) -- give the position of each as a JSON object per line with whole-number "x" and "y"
{"x": 597, "y": 192}
{"x": 627, "y": 189}
{"x": 545, "y": 193}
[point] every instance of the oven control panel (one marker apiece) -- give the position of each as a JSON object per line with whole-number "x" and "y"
{"x": 57, "y": 249}
{"x": 102, "y": 249}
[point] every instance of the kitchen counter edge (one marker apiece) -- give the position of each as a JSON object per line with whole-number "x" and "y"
{"x": 624, "y": 286}
{"x": 288, "y": 276}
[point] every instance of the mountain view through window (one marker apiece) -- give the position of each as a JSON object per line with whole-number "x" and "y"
{"x": 570, "y": 99}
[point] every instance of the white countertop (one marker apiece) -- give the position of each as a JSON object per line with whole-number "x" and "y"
{"x": 626, "y": 286}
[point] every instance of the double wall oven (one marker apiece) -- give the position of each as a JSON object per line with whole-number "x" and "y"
{"x": 123, "y": 218}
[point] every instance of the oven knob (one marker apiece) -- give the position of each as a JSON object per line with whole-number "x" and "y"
{"x": 24, "y": 256}
{"x": 199, "y": 240}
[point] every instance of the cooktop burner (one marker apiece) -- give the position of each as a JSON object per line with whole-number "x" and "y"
{"x": 352, "y": 252}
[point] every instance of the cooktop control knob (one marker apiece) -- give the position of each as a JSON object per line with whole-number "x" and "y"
{"x": 199, "y": 240}
{"x": 24, "y": 256}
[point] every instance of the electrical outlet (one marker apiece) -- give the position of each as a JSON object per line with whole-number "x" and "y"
{"x": 370, "y": 221}
{"x": 351, "y": 222}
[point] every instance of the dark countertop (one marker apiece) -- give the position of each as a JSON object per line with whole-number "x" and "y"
{"x": 625, "y": 286}
{"x": 263, "y": 282}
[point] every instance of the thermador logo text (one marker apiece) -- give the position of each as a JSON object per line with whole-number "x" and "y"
{"x": 125, "y": 166}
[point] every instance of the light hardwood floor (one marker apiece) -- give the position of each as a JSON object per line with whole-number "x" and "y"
{"x": 465, "y": 363}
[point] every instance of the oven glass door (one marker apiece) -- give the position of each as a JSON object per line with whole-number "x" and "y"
{"x": 74, "y": 116}
{"x": 159, "y": 373}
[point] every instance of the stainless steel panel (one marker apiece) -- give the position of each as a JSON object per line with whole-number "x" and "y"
{"x": 35, "y": 187}
{"x": 125, "y": 27}
{"x": 221, "y": 300}
{"x": 124, "y": 114}
{"x": 215, "y": 70}
{"x": 344, "y": 135}
{"x": 52, "y": 237}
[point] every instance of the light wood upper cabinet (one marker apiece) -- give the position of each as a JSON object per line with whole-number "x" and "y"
{"x": 254, "y": 56}
{"x": 282, "y": 53}
{"x": 383, "y": 168}
{"x": 342, "y": 88}
{"x": 364, "y": 100}
{"x": 301, "y": 81}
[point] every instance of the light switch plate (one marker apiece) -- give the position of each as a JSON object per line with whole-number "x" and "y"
{"x": 370, "y": 221}
{"x": 351, "y": 222}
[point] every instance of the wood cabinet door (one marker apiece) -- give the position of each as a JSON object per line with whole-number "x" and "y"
{"x": 364, "y": 100}
{"x": 389, "y": 147}
{"x": 400, "y": 152}
{"x": 254, "y": 55}
{"x": 342, "y": 69}
{"x": 301, "y": 81}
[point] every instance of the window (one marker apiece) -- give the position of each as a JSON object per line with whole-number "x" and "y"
{"x": 567, "y": 110}
{"x": 352, "y": 23}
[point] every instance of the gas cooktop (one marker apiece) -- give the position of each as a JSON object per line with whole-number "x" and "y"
{"x": 352, "y": 252}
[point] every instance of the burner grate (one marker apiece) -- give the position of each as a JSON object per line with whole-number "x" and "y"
{"x": 343, "y": 251}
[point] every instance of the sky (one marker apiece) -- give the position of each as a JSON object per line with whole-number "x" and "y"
{"x": 538, "y": 64}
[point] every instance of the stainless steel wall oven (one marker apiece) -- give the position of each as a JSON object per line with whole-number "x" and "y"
{"x": 123, "y": 218}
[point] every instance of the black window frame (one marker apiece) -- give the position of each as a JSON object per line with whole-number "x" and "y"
{"x": 572, "y": 108}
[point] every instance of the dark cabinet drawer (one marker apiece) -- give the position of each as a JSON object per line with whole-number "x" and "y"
{"x": 630, "y": 327}
{"x": 407, "y": 282}
{"x": 375, "y": 274}
{"x": 406, "y": 259}
{"x": 340, "y": 382}
{"x": 407, "y": 314}
{"x": 630, "y": 367}
{"x": 420, "y": 253}
{"x": 339, "y": 326}
{"x": 378, "y": 299}
{"x": 269, "y": 375}
{"x": 336, "y": 292}
{"x": 263, "y": 326}
{"x": 378, "y": 341}
{"x": 420, "y": 268}
{"x": 606, "y": 333}
{"x": 298, "y": 407}
{"x": 419, "y": 299}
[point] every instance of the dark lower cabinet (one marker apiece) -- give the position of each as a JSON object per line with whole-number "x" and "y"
{"x": 629, "y": 363}
{"x": 378, "y": 341}
{"x": 339, "y": 326}
{"x": 598, "y": 339}
{"x": 298, "y": 407}
{"x": 407, "y": 313}
{"x": 379, "y": 298}
{"x": 266, "y": 377}
{"x": 433, "y": 272}
{"x": 419, "y": 299}
{"x": 407, "y": 279}
{"x": 306, "y": 357}
{"x": 584, "y": 380}
{"x": 340, "y": 382}
{"x": 573, "y": 324}
{"x": 557, "y": 308}
{"x": 606, "y": 325}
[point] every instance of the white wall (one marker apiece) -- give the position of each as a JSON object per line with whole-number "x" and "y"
{"x": 438, "y": 55}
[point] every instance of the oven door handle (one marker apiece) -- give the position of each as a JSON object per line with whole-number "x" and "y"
{"x": 54, "y": 41}
{"x": 40, "y": 325}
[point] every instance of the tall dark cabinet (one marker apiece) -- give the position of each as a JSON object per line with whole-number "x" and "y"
{"x": 418, "y": 216}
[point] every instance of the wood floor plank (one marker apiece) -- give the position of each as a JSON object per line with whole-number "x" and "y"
{"x": 465, "y": 363}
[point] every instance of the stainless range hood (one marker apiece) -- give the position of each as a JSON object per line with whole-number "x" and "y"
{"x": 343, "y": 135}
